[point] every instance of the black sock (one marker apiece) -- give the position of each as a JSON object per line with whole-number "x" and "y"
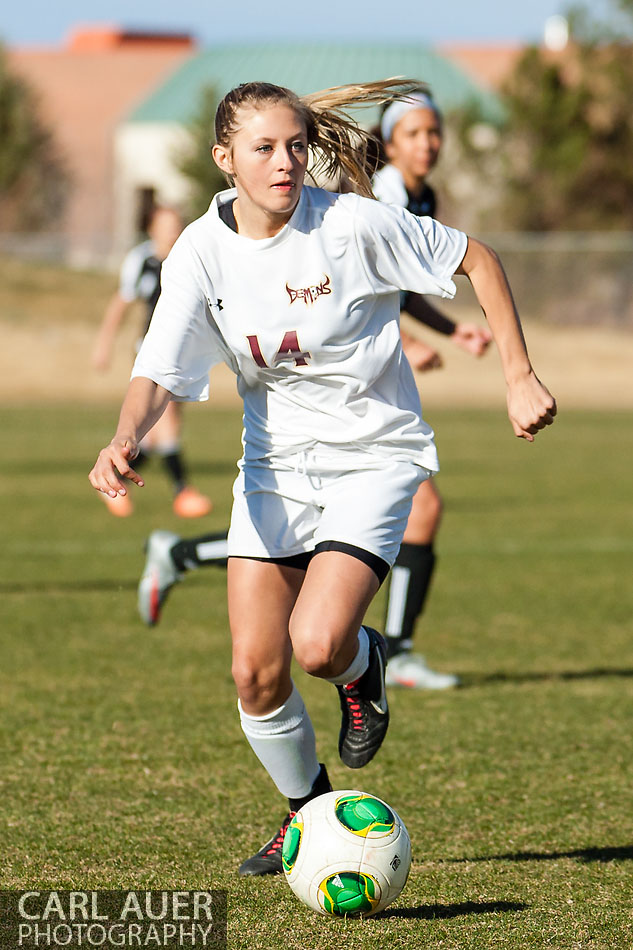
{"x": 320, "y": 786}
{"x": 409, "y": 584}
{"x": 187, "y": 554}
{"x": 176, "y": 470}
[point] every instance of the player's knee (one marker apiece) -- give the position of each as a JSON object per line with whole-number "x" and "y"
{"x": 436, "y": 509}
{"x": 315, "y": 650}
{"x": 425, "y": 517}
{"x": 255, "y": 682}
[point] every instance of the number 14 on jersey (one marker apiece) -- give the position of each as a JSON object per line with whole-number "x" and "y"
{"x": 288, "y": 349}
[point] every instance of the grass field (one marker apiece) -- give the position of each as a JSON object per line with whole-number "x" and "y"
{"x": 122, "y": 761}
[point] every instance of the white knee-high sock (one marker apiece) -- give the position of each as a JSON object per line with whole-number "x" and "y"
{"x": 358, "y": 665}
{"x": 284, "y": 743}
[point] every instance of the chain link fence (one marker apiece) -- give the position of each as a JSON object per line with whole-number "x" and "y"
{"x": 570, "y": 278}
{"x": 565, "y": 278}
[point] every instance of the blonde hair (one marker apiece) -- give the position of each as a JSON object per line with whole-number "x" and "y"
{"x": 338, "y": 144}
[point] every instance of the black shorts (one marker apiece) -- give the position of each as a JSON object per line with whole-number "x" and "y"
{"x": 301, "y": 561}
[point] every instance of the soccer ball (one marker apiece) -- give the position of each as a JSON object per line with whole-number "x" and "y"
{"x": 346, "y": 853}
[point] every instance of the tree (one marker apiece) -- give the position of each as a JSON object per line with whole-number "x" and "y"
{"x": 196, "y": 162}
{"x": 33, "y": 177}
{"x": 567, "y": 143}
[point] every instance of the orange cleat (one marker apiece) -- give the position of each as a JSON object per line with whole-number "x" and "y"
{"x": 190, "y": 503}
{"x": 120, "y": 507}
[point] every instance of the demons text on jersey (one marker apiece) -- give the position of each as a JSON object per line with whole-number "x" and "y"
{"x": 310, "y": 294}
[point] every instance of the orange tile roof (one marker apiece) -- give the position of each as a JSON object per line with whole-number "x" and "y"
{"x": 99, "y": 37}
{"x": 487, "y": 63}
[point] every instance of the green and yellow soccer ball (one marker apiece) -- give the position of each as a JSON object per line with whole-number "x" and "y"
{"x": 346, "y": 853}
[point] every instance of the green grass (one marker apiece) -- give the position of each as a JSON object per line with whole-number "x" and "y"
{"x": 123, "y": 765}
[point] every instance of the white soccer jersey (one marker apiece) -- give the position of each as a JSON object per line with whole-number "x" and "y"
{"x": 135, "y": 280}
{"x": 307, "y": 319}
{"x": 388, "y": 186}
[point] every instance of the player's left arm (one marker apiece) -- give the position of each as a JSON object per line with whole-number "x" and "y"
{"x": 418, "y": 307}
{"x": 421, "y": 356}
{"x": 470, "y": 337}
{"x": 531, "y": 406}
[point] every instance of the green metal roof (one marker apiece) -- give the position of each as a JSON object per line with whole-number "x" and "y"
{"x": 309, "y": 67}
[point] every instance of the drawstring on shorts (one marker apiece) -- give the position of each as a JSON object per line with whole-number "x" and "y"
{"x": 301, "y": 469}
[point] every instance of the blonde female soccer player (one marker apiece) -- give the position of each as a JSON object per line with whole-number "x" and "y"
{"x": 410, "y": 137}
{"x": 298, "y": 290}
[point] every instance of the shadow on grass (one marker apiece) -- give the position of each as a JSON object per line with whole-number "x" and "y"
{"x": 468, "y": 680}
{"x": 603, "y": 855}
{"x": 446, "y": 911}
{"x": 68, "y": 587}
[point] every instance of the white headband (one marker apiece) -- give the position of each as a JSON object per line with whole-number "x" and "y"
{"x": 399, "y": 108}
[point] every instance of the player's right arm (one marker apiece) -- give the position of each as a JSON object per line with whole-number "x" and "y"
{"x": 112, "y": 319}
{"x": 143, "y": 405}
{"x": 421, "y": 356}
{"x": 130, "y": 274}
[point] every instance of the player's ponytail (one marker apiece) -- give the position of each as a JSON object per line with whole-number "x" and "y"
{"x": 339, "y": 145}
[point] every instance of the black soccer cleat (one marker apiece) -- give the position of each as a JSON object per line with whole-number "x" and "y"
{"x": 268, "y": 858}
{"x": 364, "y": 708}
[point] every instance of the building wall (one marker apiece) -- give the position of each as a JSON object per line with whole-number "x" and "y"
{"x": 145, "y": 156}
{"x": 83, "y": 95}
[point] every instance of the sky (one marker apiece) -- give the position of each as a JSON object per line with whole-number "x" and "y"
{"x": 36, "y": 22}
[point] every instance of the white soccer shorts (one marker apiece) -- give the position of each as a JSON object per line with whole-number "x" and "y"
{"x": 288, "y": 506}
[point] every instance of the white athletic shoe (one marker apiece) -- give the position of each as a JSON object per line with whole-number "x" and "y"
{"x": 410, "y": 670}
{"x": 159, "y": 575}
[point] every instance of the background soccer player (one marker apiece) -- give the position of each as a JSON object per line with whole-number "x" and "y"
{"x": 410, "y": 133}
{"x": 140, "y": 280}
